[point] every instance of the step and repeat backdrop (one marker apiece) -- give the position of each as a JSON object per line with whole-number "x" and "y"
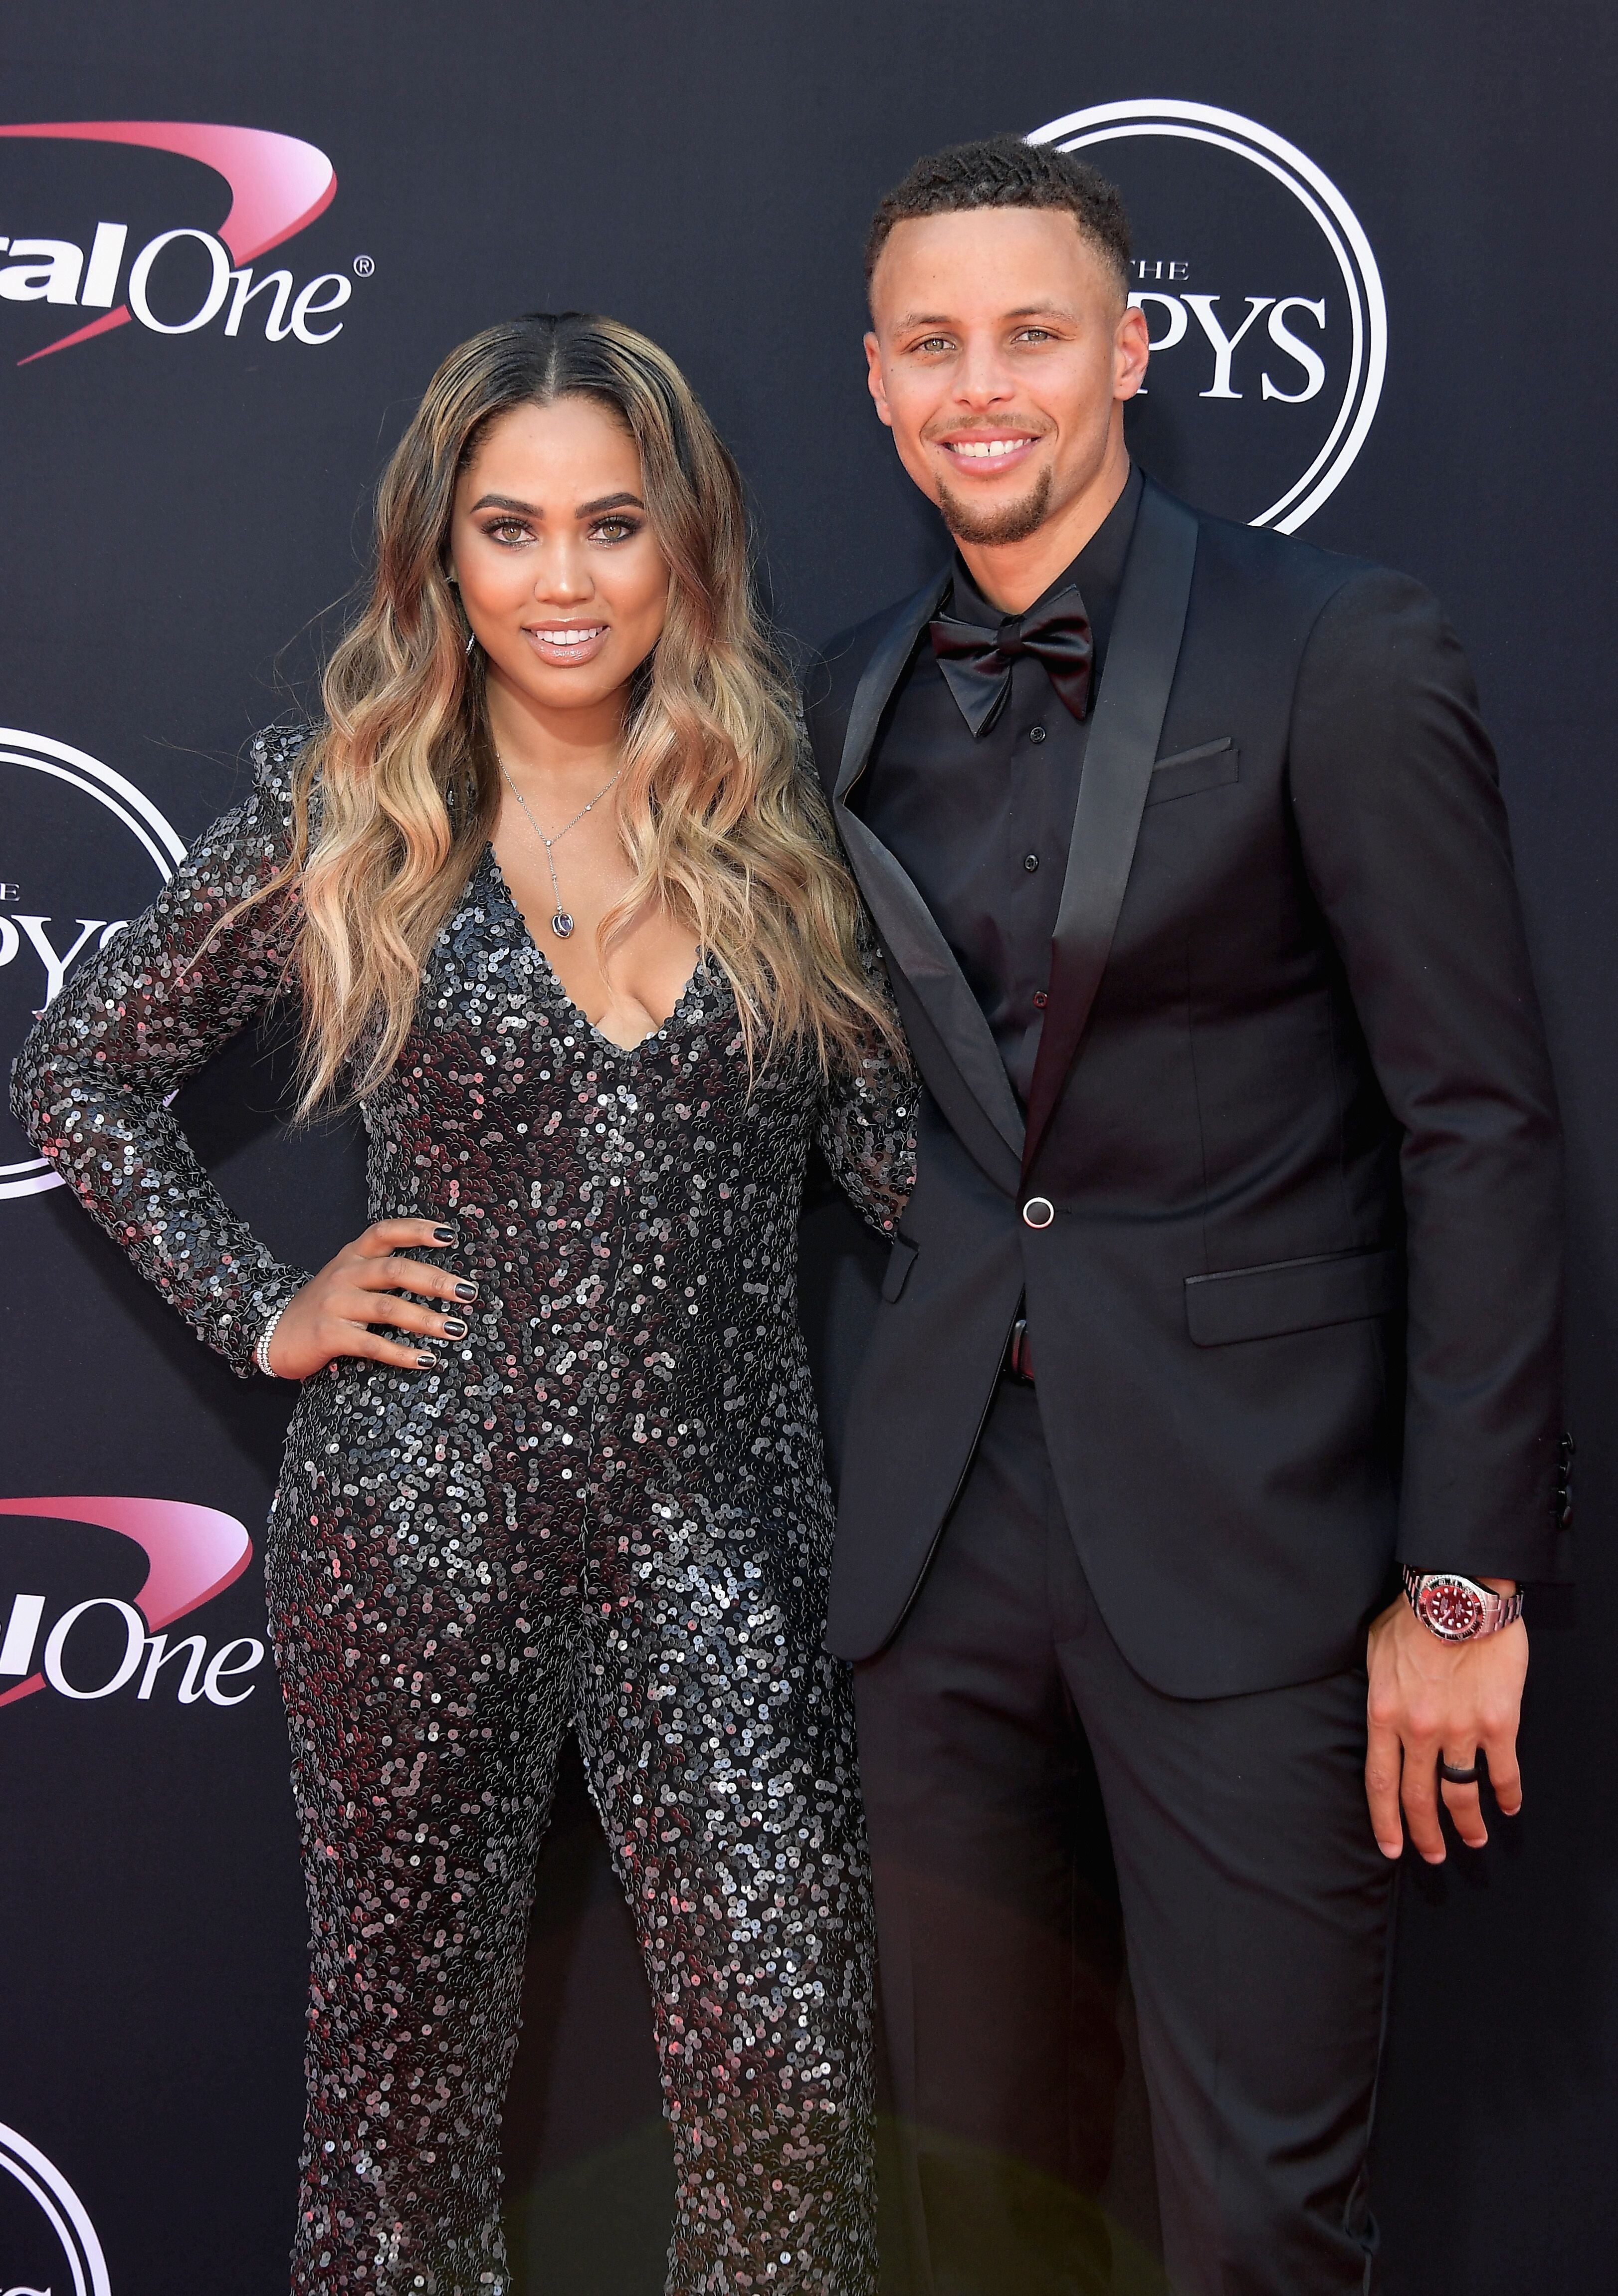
{"x": 234, "y": 244}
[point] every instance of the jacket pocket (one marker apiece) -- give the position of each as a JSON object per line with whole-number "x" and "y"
{"x": 901, "y": 1258}
{"x": 1293, "y": 1295}
{"x": 1184, "y": 771}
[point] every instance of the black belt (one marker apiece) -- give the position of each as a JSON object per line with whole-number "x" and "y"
{"x": 1019, "y": 1358}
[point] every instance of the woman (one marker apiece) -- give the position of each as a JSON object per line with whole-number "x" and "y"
{"x": 565, "y": 915}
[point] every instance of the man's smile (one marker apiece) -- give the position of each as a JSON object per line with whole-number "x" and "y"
{"x": 987, "y": 453}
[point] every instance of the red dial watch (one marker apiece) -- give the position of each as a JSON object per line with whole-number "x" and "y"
{"x": 1457, "y": 1609}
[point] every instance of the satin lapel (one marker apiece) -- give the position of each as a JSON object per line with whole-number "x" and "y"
{"x": 880, "y": 674}
{"x": 908, "y": 929}
{"x": 1125, "y": 734}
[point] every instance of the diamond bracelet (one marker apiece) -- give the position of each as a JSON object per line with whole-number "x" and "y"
{"x": 261, "y": 1352}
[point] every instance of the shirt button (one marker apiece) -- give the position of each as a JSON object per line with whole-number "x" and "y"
{"x": 1036, "y": 732}
{"x": 1031, "y": 862}
{"x": 1041, "y": 999}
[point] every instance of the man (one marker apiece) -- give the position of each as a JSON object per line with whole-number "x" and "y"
{"x": 1230, "y": 1284}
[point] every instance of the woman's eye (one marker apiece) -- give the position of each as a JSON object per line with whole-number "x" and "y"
{"x": 614, "y": 530}
{"x": 507, "y": 529}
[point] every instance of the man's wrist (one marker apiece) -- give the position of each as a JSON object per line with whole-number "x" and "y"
{"x": 1457, "y": 1608}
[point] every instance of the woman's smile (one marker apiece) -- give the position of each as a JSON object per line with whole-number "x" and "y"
{"x": 569, "y": 643}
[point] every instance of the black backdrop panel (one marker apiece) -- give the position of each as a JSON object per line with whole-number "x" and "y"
{"x": 184, "y": 508}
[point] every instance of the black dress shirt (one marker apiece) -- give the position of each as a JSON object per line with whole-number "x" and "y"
{"x": 981, "y": 825}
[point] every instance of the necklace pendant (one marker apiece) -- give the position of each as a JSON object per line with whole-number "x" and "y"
{"x": 562, "y": 925}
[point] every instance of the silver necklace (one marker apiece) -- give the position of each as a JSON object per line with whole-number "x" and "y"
{"x": 562, "y": 923}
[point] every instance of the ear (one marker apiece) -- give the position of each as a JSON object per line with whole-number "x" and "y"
{"x": 1131, "y": 348}
{"x": 873, "y": 382}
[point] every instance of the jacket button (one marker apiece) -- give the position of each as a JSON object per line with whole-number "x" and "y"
{"x": 1036, "y": 732}
{"x": 1041, "y": 999}
{"x": 1039, "y": 1211}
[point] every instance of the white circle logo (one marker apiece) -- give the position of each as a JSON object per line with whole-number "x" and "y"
{"x": 66, "y": 2234}
{"x": 60, "y": 862}
{"x": 1269, "y": 329}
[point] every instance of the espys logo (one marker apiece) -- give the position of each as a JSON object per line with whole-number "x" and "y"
{"x": 185, "y": 277}
{"x": 1269, "y": 331}
{"x": 84, "y": 851}
{"x": 44, "y": 2228}
{"x": 86, "y": 1647}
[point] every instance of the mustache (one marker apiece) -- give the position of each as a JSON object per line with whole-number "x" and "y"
{"x": 1036, "y": 426}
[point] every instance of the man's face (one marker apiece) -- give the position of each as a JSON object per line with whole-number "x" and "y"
{"x": 1000, "y": 346}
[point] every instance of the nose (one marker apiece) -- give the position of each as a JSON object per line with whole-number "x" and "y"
{"x": 981, "y": 380}
{"x": 564, "y": 575}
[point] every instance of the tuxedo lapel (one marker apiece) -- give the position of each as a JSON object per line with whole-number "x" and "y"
{"x": 1125, "y": 734}
{"x": 888, "y": 660}
{"x": 908, "y": 929}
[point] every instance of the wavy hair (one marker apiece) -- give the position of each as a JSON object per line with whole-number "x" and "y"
{"x": 397, "y": 795}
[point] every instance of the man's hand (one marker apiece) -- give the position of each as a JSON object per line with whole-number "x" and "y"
{"x": 1431, "y": 1701}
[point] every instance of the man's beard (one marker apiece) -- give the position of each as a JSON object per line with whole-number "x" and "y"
{"x": 1012, "y": 522}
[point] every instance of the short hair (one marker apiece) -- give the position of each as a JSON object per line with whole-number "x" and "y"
{"x": 1004, "y": 171}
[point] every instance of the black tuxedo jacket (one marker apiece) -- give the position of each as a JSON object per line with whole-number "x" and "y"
{"x": 1299, "y": 1307}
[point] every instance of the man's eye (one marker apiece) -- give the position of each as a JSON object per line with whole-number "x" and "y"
{"x": 932, "y": 343}
{"x": 1035, "y": 335}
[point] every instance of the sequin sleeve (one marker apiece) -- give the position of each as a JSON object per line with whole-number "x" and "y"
{"x": 868, "y": 1125}
{"x": 90, "y": 1083}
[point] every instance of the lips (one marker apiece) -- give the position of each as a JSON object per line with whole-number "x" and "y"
{"x": 567, "y": 643}
{"x": 985, "y": 455}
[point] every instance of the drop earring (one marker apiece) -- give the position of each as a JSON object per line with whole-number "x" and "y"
{"x": 472, "y": 635}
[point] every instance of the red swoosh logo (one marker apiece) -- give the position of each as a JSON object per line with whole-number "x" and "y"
{"x": 277, "y": 185}
{"x": 193, "y": 1553}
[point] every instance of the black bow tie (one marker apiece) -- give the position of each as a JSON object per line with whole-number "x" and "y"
{"x": 977, "y": 663}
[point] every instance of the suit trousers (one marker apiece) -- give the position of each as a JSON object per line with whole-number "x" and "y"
{"x": 1006, "y": 1743}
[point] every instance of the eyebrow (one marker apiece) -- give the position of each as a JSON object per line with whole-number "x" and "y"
{"x": 1023, "y": 311}
{"x": 585, "y": 510}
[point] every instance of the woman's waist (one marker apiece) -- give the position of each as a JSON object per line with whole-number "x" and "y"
{"x": 597, "y": 1415}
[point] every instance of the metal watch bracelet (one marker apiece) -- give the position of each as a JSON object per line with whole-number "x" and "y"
{"x": 1457, "y": 1609}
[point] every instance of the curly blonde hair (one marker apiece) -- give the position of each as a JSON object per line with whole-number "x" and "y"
{"x": 396, "y": 796}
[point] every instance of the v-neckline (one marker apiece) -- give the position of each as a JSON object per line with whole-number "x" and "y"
{"x": 527, "y": 941}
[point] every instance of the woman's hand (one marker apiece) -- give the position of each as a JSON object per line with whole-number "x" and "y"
{"x": 363, "y": 1286}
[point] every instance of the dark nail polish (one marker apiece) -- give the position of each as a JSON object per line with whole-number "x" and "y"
{"x": 465, "y": 1291}
{"x": 455, "y": 1326}
{"x": 443, "y": 1235}
{"x": 427, "y": 1362}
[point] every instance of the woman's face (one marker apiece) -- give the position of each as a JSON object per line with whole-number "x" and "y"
{"x": 562, "y": 580}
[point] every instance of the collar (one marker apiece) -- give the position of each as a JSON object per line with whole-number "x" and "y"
{"x": 1096, "y": 573}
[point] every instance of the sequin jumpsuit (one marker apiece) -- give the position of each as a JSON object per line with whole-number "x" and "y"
{"x": 606, "y": 1511}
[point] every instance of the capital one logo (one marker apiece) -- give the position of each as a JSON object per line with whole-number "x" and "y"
{"x": 185, "y": 277}
{"x": 88, "y": 1646}
{"x": 1268, "y": 327}
{"x": 48, "y": 2245}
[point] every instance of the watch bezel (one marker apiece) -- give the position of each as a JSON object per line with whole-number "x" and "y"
{"x": 1485, "y": 1598}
